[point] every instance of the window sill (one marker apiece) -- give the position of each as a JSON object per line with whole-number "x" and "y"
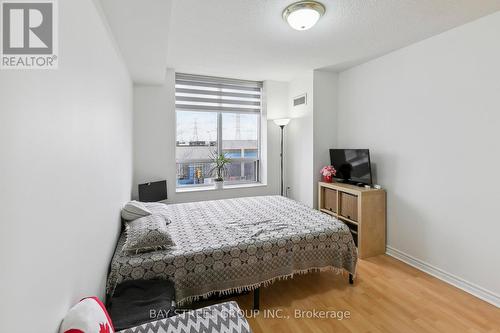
{"x": 210, "y": 188}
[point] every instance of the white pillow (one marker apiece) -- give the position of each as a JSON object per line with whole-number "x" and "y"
{"x": 134, "y": 210}
{"x": 157, "y": 208}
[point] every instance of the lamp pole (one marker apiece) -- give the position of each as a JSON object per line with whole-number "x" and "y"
{"x": 281, "y": 155}
{"x": 282, "y": 123}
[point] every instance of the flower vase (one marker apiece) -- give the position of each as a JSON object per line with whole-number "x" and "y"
{"x": 328, "y": 179}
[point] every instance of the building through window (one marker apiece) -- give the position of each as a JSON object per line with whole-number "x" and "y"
{"x": 217, "y": 115}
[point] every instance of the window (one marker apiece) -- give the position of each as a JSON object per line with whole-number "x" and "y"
{"x": 217, "y": 115}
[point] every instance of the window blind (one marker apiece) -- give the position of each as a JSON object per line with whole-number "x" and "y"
{"x": 205, "y": 93}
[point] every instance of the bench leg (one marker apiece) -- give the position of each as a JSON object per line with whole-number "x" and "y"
{"x": 256, "y": 299}
{"x": 351, "y": 279}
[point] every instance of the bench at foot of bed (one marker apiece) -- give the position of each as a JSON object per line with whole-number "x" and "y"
{"x": 224, "y": 317}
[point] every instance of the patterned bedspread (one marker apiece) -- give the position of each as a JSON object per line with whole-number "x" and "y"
{"x": 237, "y": 245}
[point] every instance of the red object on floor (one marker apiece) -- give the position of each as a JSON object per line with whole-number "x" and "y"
{"x": 87, "y": 316}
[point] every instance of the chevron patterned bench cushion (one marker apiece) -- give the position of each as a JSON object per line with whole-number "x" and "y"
{"x": 219, "y": 318}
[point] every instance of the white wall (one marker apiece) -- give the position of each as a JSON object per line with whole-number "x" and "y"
{"x": 154, "y": 142}
{"x": 299, "y": 141}
{"x": 311, "y": 132}
{"x": 325, "y": 87}
{"x": 430, "y": 113}
{"x": 154, "y": 129}
{"x": 65, "y": 171}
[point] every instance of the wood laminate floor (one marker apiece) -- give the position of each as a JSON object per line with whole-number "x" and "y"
{"x": 387, "y": 296}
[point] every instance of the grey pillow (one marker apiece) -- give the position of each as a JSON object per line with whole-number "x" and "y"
{"x": 147, "y": 233}
{"x": 134, "y": 210}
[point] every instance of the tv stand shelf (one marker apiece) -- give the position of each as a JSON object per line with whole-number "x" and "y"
{"x": 362, "y": 209}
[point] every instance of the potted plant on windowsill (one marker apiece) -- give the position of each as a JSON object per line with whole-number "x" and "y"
{"x": 219, "y": 170}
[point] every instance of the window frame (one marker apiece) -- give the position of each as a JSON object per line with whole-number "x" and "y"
{"x": 219, "y": 146}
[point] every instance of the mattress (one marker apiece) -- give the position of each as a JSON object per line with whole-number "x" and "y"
{"x": 234, "y": 245}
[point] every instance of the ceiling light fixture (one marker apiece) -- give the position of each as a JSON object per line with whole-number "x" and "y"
{"x": 303, "y": 15}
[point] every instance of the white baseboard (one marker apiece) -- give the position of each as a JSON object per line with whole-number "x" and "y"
{"x": 456, "y": 281}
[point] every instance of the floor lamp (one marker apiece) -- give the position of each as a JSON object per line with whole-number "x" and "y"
{"x": 282, "y": 123}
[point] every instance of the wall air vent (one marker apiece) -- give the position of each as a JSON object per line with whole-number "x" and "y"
{"x": 300, "y": 100}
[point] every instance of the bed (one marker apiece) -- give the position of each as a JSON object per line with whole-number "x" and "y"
{"x": 236, "y": 245}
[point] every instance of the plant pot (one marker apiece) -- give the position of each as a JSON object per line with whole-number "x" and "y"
{"x": 328, "y": 179}
{"x": 219, "y": 184}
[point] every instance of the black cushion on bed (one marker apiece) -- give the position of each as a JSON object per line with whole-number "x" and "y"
{"x": 141, "y": 301}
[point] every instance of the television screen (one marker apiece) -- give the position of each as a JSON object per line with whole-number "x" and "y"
{"x": 352, "y": 165}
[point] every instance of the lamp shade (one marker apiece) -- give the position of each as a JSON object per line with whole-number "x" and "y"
{"x": 282, "y": 122}
{"x": 303, "y": 15}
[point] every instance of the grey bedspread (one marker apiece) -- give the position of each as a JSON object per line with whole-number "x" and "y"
{"x": 238, "y": 244}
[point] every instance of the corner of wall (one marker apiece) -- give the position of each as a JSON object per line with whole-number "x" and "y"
{"x": 100, "y": 11}
{"x": 325, "y": 108}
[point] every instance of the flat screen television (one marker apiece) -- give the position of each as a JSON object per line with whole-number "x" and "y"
{"x": 352, "y": 165}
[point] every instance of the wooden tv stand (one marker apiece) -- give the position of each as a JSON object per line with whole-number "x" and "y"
{"x": 362, "y": 209}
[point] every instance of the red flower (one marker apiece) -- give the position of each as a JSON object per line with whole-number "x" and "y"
{"x": 328, "y": 171}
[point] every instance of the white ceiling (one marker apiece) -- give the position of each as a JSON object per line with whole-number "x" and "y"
{"x": 141, "y": 30}
{"x": 248, "y": 38}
